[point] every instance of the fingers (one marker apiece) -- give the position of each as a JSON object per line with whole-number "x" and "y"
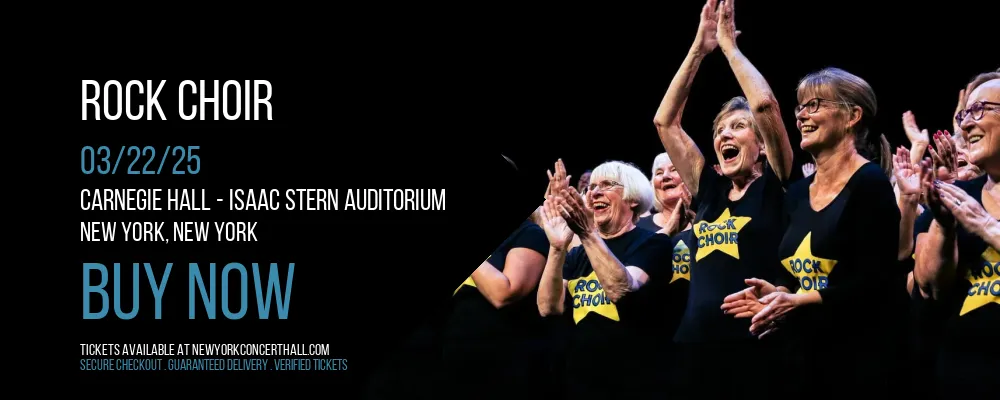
{"x": 757, "y": 284}
{"x": 954, "y": 191}
{"x": 949, "y": 200}
{"x": 761, "y": 316}
{"x": 769, "y": 298}
{"x": 735, "y": 297}
{"x": 547, "y": 212}
{"x": 734, "y": 305}
{"x": 908, "y": 120}
{"x": 572, "y": 197}
{"x": 769, "y": 331}
{"x": 736, "y": 309}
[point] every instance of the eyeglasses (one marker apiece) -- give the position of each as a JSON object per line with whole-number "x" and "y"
{"x": 812, "y": 106}
{"x": 603, "y": 186}
{"x": 977, "y": 111}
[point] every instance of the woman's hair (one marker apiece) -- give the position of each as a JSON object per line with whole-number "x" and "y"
{"x": 738, "y": 103}
{"x": 850, "y": 89}
{"x": 981, "y": 79}
{"x": 636, "y": 185}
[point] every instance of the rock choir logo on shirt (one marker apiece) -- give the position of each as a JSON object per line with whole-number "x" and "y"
{"x": 812, "y": 272}
{"x": 985, "y": 287}
{"x": 721, "y": 235}
{"x": 588, "y": 297}
{"x": 682, "y": 262}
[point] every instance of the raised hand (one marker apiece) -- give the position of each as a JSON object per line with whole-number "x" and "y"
{"x": 945, "y": 157}
{"x": 913, "y": 133}
{"x": 555, "y": 227}
{"x": 932, "y": 197}
{"x": 558, "y": 180}
{"x": 705, "y": 41}
{"x": 808, "y": 169}
{"x": 726, "y": 32}
{"x": 578, "y": 216}
{"x": 907, "y": 177}
{"x": 676, "y": 222}
{"x": 966, "y": 209}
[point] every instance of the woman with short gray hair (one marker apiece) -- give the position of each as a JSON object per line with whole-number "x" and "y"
{"x": 612, "y": 286}
{"x": 672, "y": 200}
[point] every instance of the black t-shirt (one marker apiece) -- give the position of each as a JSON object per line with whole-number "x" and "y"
{"x": 735, "y": 240}
{"x": 616, "y": 346}
{"x": 648, "y": 224}
{"x": 680, "y": 281}
{"x": 964, "y": 324}
{"x": 847, "y": 251}
{"x": 473, "y": 319}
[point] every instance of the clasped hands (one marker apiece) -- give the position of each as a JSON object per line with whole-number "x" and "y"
{"x": 766, "y": 304}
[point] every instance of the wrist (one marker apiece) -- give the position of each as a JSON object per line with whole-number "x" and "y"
{"x": 696, "y": 52}
{"x": 908, "y": 201}
{"x": 730, "y": 50}
{"x": 588, "y": 236}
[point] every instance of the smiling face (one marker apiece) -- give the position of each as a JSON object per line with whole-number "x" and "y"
{"x": 983, "y": 136}
{"x": 834, "y": 110}
{"x": 966, "y": 170}
{"x": 822, "y": 121}
{"x": 736, "y": 144}
{"x": 667, "y": 185}
{"x": 607, "y": 198}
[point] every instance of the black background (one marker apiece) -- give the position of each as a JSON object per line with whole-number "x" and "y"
{"x": 373, "y": 100}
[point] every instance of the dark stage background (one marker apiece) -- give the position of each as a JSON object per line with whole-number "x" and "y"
{"x": 376, "y": 101}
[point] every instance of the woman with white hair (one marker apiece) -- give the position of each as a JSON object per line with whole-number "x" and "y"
{"x": 673, "y": 217}
{"x": 739, "y": 220}
{"x": 611, "y": 287}
{"x": 672, "y": 200}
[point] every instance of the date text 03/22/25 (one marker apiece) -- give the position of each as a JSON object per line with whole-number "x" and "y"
{"x": 140, "y": 160}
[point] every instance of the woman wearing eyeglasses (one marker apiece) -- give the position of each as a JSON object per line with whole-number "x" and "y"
{"x": 840, "y": 299}
{"x": 956, "y": 280}
{"x": 738, "y": 221}
{"x": 611, "y": 289}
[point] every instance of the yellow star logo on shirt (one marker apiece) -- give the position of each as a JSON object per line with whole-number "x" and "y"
{"x": 813, "y": 273}
{"x": 588, "y": 297}
{"x": 682, "y": 262}
{"x": 721, "y": 235}
{"x": 986, "y": 288}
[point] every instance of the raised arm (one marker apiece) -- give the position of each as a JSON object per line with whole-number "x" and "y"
{"x": 616, "y": 278}
{"x": 763, "y": 104}
{"x": 680, "y": 147}
{"x": 552, "y": 287}
{"x": 907, "y": 199}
